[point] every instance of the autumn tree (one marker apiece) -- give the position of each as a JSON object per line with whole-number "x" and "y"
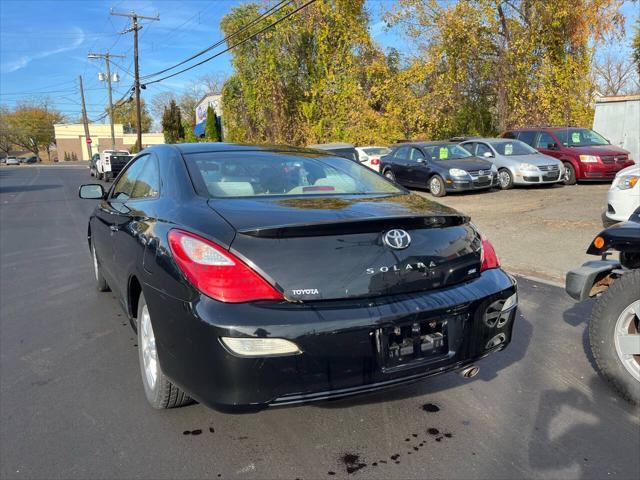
{"x": 172, "y": 123}
{"x": 30, "y": 126}
{"x": 496, "y": 64}
{"x": 125, "y": 113}
{"x": 635, "y": 45}
{"x": 300, "y": 82}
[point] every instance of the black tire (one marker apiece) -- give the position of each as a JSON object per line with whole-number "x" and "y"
{"x": 101, "y": 283}
{"x": 436, "y": 186}
{"x": 162, "y": 393}
{"x": 508, "y": 184}
{"x": 570, "y": 174}
{"x": 609, "y": 307}
{"x": 388, "y": 174}
{"x": 99, "y": 175}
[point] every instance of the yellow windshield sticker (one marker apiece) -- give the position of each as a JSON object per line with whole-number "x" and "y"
{"x": 508, "y": 149}
{"x": 444, "y": 153}
{"x": 575, "y": 137}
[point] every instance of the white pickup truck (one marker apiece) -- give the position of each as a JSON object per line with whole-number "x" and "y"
{"x": 110, "y": 163}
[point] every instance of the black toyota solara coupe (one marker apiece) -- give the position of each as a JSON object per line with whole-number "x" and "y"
{"x": 258, "y": 276}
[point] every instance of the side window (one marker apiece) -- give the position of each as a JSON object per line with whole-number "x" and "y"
{"x": 415, "y": 155}
{"x": 544, "y": 140}
{"x": 148, "y": 182}
{"x": 123, "y": 188}
{"x": 469, "y": 147}
{"x": 402, "y": 153}
{"x": 482, "y": 149}
{"x": 527, "y": 137}
{"x": 510, "y": 135}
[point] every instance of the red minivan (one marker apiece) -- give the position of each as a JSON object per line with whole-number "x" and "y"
{"x": 586, "y": 155}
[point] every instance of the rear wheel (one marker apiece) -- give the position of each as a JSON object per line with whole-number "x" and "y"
{"x": 388, "y": 174}
{"x": 505, "y": 179}
{"x": 101, "y": 283}
{"x": 436, "y": 186}
{"x": 158, "y": 389}
{"x": 569, "y": 174}
{"x": 614, "y": 335}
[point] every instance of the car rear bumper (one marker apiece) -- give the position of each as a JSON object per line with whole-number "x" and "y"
{"x": 342, "y": 343}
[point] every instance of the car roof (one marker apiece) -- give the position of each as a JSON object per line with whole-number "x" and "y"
{"x": 490, "y": 139}
{"x": 330, "y": 146}
{"x": 548, "y": 129}
{"x": 425, "y": 144}
{"x": 210, "y": 147}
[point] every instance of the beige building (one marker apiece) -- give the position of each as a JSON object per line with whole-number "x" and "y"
{"x": 70, "y": 139}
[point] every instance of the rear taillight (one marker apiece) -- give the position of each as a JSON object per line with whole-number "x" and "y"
{"x": 488, "y": 257}
{"x": 375, "y": 161}
{"x": 216, "y": 272}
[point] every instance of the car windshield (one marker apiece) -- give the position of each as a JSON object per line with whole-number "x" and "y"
{"x": 377, "y": 151}
{"x": 446, "y": 152}
{"x": 580, "y": 137}
{"x": 349, "y": 153}
{"x": 513, "y": 148}
{"x": 253, "y": 173}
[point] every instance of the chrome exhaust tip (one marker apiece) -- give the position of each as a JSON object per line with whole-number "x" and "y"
{"x": 470, "y": 371}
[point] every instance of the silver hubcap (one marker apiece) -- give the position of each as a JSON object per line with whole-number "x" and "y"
{"x": 504, "y": 178}
{"x": 148, "y": 346}
{"x": 434, "y": 185}
{"x": 627, "y": 339}
{"x": 567, "y": 173}
{"x": 95, "y": 262}
{"x": 389, "y": 175}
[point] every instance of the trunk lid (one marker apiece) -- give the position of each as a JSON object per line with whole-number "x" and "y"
{"x": 325, "y": 248}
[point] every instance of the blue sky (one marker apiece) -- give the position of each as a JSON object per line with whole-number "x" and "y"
{"x": 44, "y": 45}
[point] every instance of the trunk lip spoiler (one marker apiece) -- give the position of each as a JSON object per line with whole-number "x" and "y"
{"x": 359, "y": 225}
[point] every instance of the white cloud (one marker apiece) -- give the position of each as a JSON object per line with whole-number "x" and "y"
{"x": 23, "y": 61}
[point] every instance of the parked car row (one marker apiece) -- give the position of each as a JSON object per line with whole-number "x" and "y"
{"x": 18, "y": 160}
{"x": 527, "y": 156}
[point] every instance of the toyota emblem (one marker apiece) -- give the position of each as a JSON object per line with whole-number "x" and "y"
{"x": 396, "y": 239}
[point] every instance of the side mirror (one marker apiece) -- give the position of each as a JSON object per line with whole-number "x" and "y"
{"x": 487, "y": 155}
{"x": 91, "y": 191}
{"x": 552, "y": 146}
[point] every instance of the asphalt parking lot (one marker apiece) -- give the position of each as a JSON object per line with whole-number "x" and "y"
{"x": 72, "y": 404}
{"x": 537, "y": 231}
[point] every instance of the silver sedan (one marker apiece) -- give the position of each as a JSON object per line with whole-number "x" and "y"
{"x": 517, "y": 162}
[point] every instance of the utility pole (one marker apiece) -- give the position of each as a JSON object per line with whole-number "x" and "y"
{"x": 107, "y": 56}
{"x": 84, "y": 119}
{"x": 135, "y": 26}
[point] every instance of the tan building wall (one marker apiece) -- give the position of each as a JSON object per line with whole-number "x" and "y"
{"x": 70, "y": 138}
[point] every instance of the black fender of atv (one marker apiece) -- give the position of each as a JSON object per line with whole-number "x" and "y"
{"x": 580, "y": 281}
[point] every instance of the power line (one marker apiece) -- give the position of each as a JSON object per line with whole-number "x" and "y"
{"x": 271, "y": 11}
{"x": 251, "y": 37}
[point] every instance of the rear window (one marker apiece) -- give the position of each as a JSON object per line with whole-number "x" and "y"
{"x": 527, "y": 137}
{"x": 377, "y": 151}
{"x": 350, "y": 153}
{"x": 251, "y": 174}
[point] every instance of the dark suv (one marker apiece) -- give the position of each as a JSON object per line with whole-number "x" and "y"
{"x": 586, "y": 155}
